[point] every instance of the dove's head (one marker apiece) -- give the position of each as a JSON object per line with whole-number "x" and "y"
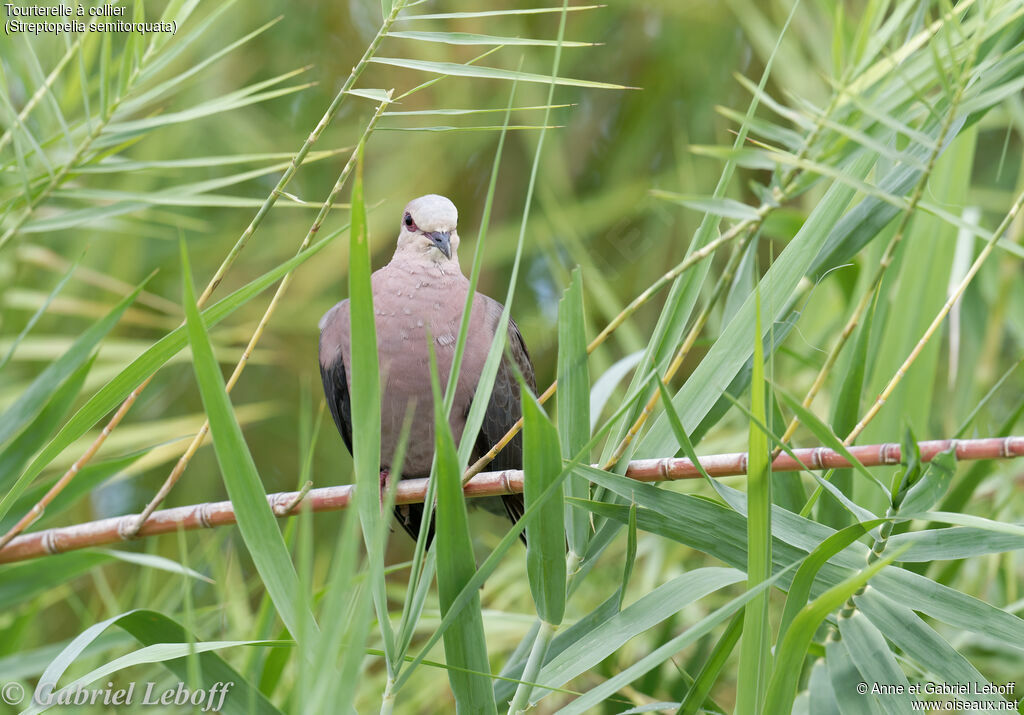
{"x": 428, "y": 229}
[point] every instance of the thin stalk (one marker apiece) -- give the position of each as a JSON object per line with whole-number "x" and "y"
{"x": 44, "y": 88}
{"x": 936, "y": 322}
{"x": 300, "y": 155}
{"x": 521, "y": 700}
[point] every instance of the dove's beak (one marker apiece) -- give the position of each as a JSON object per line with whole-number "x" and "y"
{"x": 442, "y": 239}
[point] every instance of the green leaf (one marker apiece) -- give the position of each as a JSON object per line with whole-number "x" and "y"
{"x": 755, "y": 646}
{"x": 956, "y": 543}
{"x": 377, "y": 95}
{"x": 717, "y": 206}
{"x": 154, "y": 562}
{"x": 117, "y": 132}
{"x": 20, "y": 583}
{"x": 366, "y": 408}
{"x": 465, "y": 649}
{"x": 800, "y": 589}
{"x": 721, "y": 532}
{"x": 665, "y": 651}
{"x": 459, "y": 70}
{"x": 843, "y": 677}
{"x": 573, "y": 402}
{"x": 14, "y": 456}
{"x": 256, "y": 521}
{"x": 167, "y": 643}
{"x": 469, "y": 38}
{"x": 923, "y": 644}
{"x": 697, "y": 695}
{"x": 793, "y": 649}
{"x": 875, "y": 661}
{"x": 498, "y": 13}
{"x": 460, "y": 112}
{"x": 38, "y": 314}
{"x": 932, "y": 486}
{"x": 732, "y": 349}
{"x": 605, "y": 385}
{"x": 545, "y": 530}
{"x": 606, "y": 637}
{"x": 35, "y": 396}
{"x": 821, "y": 698}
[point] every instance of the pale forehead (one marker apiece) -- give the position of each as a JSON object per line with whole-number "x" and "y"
{"x": 433, "y": 212}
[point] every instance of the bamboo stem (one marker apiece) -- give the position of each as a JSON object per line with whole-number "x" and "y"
{"x": 410, "y": 491}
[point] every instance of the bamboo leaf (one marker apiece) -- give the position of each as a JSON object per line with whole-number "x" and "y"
{"x": 545, "y": 530}
{"x": 165, "y": 642}
{"x": 498, "y": 13}
{"x": 464, "y": 646}
{"x": 15, "y": 455}
{"x": 589, "y": 649}
{"x": 793, "y": 648}
{"x": 32, "y": 399}
{"x": 717, "y": 206}
{"x": 800, "y": 589}
{"x": 256, "y": 521}
{"x": 755, "y": 656}
{"x": 876, "y": 663}
{"x": 366, "y": 407}
{"x": 573, "y": 401}
{"x": 460, "y": 70}
{"x": 469, "y": 38}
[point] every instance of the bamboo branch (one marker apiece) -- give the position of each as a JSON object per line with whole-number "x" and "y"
{"x": 411, "y": 491}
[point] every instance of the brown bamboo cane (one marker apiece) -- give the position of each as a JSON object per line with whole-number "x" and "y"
{"x": 410, "y": 491}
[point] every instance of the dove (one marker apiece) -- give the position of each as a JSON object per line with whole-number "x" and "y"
{"x": 420, "y": 296}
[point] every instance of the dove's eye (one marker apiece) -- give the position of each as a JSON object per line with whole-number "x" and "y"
{"x": 408, "y": 221}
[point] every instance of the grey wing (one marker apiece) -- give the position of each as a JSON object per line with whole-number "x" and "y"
{"x": 333, "y": 337}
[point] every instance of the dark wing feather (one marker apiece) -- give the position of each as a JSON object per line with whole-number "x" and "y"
{"x": 504, "y": 410}
{"x": 336, "y": 393}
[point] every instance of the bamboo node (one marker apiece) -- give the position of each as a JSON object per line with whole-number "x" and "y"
{"x": 889, "y": 453}
{"x": 204, "y": 515}
{"x": 128, "y": 527}
{"x": 49, "y": 543}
